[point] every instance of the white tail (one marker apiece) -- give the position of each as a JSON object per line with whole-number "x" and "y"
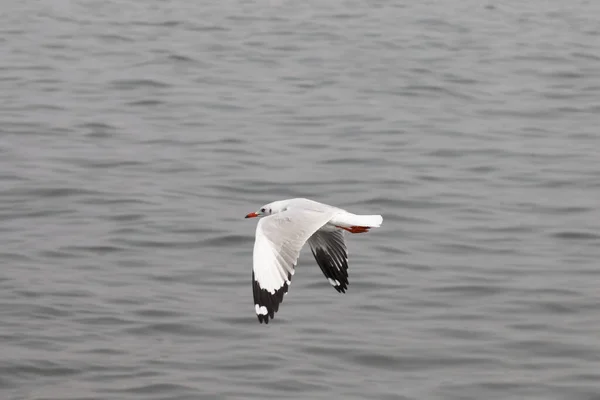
{"x": 373, "y": 221}
{"x": 348, "y": 220}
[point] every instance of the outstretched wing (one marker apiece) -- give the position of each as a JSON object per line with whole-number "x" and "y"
{"x": 279, "y": 239}
{"x": 331, "y": 254}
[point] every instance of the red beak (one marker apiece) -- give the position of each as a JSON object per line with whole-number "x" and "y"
{"x": 252, "y": 215}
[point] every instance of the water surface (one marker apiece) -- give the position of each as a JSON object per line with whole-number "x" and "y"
{"x": 134, "y": 137}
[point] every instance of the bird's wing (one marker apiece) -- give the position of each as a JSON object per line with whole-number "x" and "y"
{"x": 279, "y": 239}
{"x": 331, "y": 254}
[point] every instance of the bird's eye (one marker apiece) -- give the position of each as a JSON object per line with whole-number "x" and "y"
{"x": 262, "y": 210}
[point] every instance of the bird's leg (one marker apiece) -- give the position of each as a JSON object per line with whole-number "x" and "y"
{"x": 355, "y": 229}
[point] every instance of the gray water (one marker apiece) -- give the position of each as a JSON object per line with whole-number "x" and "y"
{"x": 135, "y": 136}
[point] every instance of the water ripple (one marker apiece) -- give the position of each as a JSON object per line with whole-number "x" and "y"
{"x": 136, "y": 136}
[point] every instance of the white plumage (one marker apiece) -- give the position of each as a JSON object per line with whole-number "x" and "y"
{"x": 287, "y": 225}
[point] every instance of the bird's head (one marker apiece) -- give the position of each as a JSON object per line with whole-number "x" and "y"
{"x": 268, "y": 209}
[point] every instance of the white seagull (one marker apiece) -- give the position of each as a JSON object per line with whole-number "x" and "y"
{"x": 281, "y": 234}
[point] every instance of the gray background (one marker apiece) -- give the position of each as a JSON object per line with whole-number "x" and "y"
{"x": 136, "y": 135}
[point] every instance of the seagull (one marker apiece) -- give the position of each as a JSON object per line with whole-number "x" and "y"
{"x": 280, "y": 235}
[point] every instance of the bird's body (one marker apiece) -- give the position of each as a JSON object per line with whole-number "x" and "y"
{"x": 287, "y": 225}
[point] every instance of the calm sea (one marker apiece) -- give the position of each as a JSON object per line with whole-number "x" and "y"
{"x": 136, "y": 135}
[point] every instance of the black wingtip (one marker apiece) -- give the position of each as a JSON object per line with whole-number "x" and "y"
{"x": 335, "y": 268}
{"x": 267, "y": 304}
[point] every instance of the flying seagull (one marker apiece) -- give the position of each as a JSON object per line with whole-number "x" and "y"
{"x": 280, "y": 235}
